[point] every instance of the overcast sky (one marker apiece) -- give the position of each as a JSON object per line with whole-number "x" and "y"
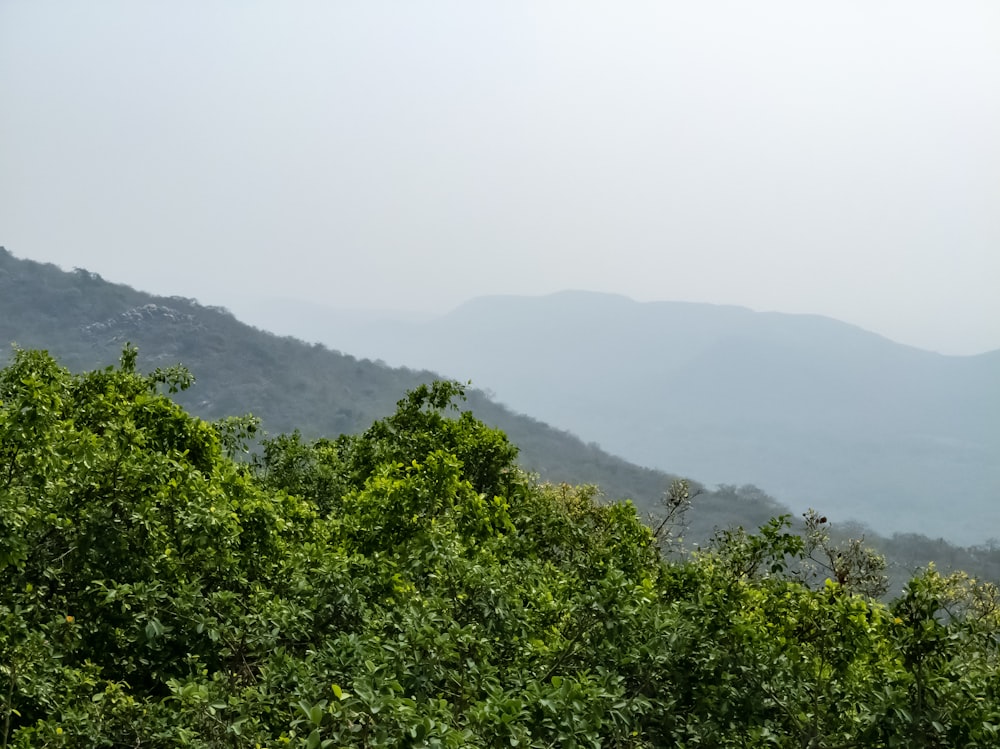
{"x": 839, "y": 158}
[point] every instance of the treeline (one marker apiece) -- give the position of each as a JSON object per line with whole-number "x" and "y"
{"x": 410, "y": 586}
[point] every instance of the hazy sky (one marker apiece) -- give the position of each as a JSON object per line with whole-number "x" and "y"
{"x": 840, "y": 158}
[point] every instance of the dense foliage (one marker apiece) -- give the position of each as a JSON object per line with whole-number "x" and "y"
{"x": 410, "y": 586}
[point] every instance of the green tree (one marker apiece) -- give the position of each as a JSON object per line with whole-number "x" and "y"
{"x": 411, "y": 586}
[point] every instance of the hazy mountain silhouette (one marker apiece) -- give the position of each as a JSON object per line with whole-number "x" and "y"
{"x": 818, "y": 412}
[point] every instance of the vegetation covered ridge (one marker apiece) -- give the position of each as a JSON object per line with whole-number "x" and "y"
{"x": 84, "y": 321}
{"x": 410, "y": 586}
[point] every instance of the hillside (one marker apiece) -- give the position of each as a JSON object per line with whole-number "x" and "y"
{"x": 819, "y": 412}
{"x": 85, "y": 321}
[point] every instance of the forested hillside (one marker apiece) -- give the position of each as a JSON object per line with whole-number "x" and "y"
{"x": 410, "y": 586}
{"x": 290, "y": 385}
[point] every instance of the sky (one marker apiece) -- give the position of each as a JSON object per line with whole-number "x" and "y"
{"x": 840, "y": 159}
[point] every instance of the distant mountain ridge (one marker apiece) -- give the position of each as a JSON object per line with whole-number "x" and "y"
{"x": 819, "y": 412}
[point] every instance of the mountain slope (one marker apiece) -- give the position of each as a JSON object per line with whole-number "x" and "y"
{"x": 85, "y": 321}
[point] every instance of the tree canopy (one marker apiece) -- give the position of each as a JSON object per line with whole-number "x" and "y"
{"x": 411, "y": 586}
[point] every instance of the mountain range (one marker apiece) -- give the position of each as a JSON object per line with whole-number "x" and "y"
{"x": 290, "y": 384}
{"x": 818, "y": 412}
